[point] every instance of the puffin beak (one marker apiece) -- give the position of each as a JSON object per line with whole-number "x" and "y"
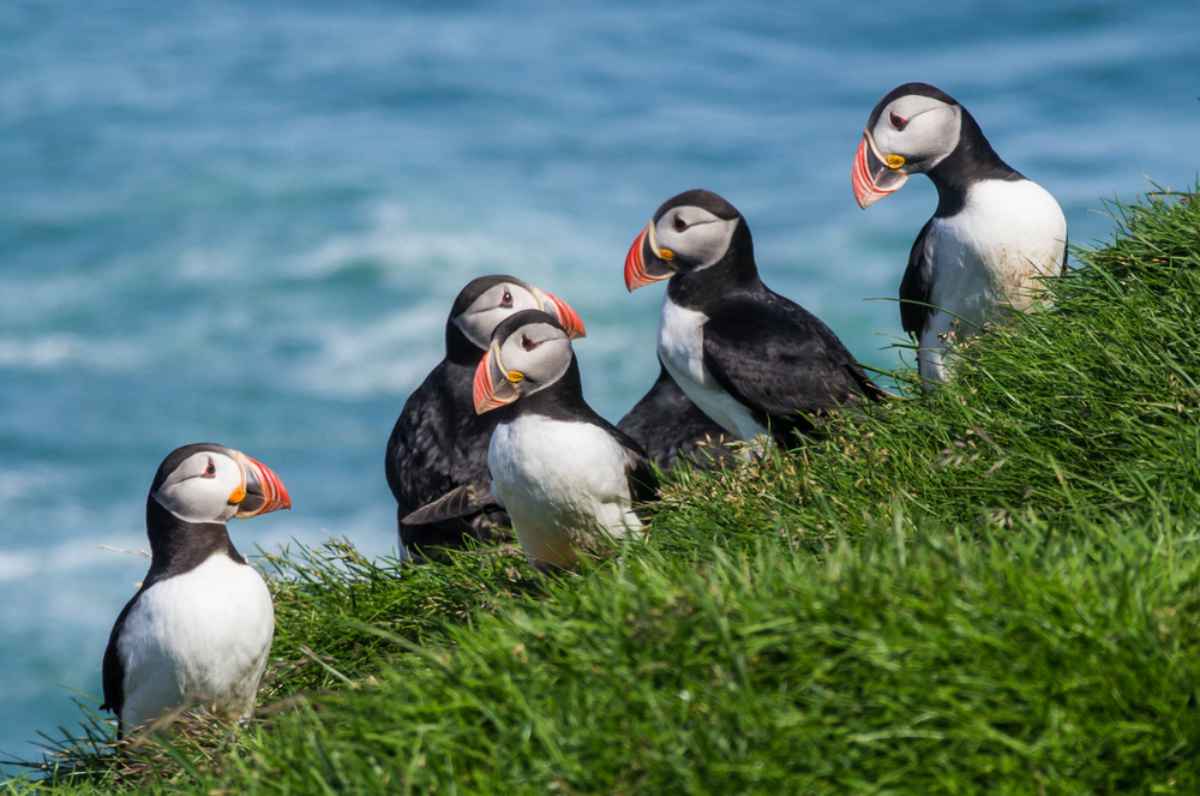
{"x": 646, "y": 263}
{"x": 261, "y": 491}
{"x": 873, "y": 175}
{"x": 494, "y": 386}
{"x": 571, "y": 323}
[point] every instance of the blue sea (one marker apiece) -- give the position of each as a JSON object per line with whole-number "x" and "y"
{"x": 246, "y": 222}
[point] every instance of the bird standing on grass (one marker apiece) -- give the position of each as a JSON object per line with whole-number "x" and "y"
{"x": 753, "y": 361}
{"x": 994, "y": 236}
{"x": 199, "y": 629}
{"x": 568, "y": 478}
{"x": 439, "y": 443}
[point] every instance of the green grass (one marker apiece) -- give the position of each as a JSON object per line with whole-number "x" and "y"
{"x": 993, "y": 588}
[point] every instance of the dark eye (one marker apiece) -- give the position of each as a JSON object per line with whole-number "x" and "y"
{"x": 506, "y": 301}
{"x": 527, "y": 344}
{"x": 680, "y": 224}
{"x": 211, "y": 470}
{"x": 898, "y": 121}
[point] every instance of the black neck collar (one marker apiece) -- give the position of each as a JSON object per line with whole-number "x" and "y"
{"x": 972, "y": 160}
{"x": 177, "y": 546}
{"x": 562, "y": 400}
{"x": 736, "y": 271}
{"x": 459, "y": 349}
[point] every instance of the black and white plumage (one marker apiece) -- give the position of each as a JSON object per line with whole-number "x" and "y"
{"x": 671, "y": 428}
{"x": 563, "y": 472}
{"x": 750, "y": 359}
{"x": 439, "y": 443}
{"x": 994, "y": 236}
{"x": 199, "y": 630}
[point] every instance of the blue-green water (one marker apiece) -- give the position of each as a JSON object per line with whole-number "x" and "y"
{"x": 246, "y": 224}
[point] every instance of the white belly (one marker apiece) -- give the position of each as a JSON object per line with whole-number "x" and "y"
{"x": 201, "y": 638}
{"x": 681, "y": 347}
{"x": 560, "y": 482}
{"x": 992, "y": 255}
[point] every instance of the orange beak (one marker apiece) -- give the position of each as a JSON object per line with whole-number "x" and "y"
{"x": 870, "y": 176}
{"x": 492, "y": 388}
{"x": 568, "y": 318}
{"x": 643, "y": 265}
{"x": 264, "y": 492}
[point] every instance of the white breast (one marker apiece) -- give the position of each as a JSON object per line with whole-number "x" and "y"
{"x": 992, "y": 254}
{"x": 681, "y": 346}
{"x": 560, "y": 481}
{"x": 200, "y": 638}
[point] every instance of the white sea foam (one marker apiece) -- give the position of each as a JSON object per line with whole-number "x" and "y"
{"x": 455, "y": 248}
{"x": 54, "y": 351}
{"x": 70, "y": 556}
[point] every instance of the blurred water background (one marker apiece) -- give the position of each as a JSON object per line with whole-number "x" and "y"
{"x": 246, "y": 223}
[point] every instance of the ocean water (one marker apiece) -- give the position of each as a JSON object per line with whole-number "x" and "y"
{"x": 246, "y": 224}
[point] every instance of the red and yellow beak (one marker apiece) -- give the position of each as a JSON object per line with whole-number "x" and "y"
{"x": 568, "y": 318}
{"x": 646, "y": 263}
{"x": 260, "y": 492}
{"x": 494, "y": 386}
{"x": 873, "y": 175}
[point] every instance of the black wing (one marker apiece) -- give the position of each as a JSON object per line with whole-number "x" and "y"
{"x": 1066, "y": 251}
{"x": 643, "y": 482}
{"x": 917, "y": 286}
{"x": 781, "y": 361}
{"x": 669, "y": 426}
{"x": 462, "y": 501}
{"x": 113, "y": 670}
{"x": 437, "y": 445}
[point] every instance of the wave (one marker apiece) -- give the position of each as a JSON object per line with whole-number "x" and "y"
{"x": 55, "y": 351}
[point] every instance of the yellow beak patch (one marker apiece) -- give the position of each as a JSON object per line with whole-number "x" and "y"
{"x": 237, "y": 495}
{"x": 515, "y": 376}
{"x": 894, "y": 162}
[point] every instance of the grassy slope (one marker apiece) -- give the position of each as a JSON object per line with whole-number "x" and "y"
{"x": 994, "y": 586}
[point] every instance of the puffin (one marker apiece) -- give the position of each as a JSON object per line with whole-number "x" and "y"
{"x": 993, "y": 238}
{"x": 199, "y": 629}
{"x": 672, "y": 429}
{"x": 568, "y": 478}
{"x": 755, "y": 362}
{"x": 438, "y": 443}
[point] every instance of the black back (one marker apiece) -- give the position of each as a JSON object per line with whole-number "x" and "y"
{"x": 768, "y": 352}
{"x": 917, "y": 286}
{"x": 670, "y": 427}
{"x": 439, "y": 444}
{"x": 176, "y": 547}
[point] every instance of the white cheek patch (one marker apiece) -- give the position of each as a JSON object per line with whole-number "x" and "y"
{"x": 485, "y": 313}
{"x": 931, "y": 133}
{"x": 704, "y": 242}
{"x": 194, "y": 498}
{"x": 543, "y": 365}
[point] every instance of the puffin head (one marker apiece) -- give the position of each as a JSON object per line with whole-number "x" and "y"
{"x": 488, "y": 300}
{"x": 910, "y": 131}
{"x": 207, "y": 483}
{"x": 690, "y": 232}
{"x": 529, "y": 352}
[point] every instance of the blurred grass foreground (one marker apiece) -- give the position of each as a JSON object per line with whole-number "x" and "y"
{"x": 993, "y": 587}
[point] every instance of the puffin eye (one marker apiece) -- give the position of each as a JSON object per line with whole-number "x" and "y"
{"x": 680, "y": 224}
{"x": 506, "y": 301}
{"x": 898, "y": 121}
{"x": 211, "y": 470}
{"x": 528, "y": 344}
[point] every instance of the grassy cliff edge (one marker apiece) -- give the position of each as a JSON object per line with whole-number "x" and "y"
{"x": 992, "y": 587}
